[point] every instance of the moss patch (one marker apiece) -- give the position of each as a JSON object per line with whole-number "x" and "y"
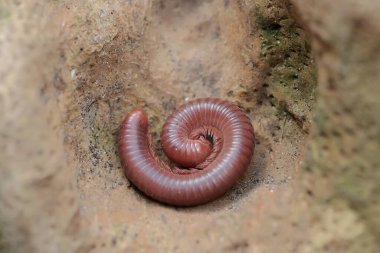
{"x": 5, "y": 11}
{"x": 290, "y": 69}
{"x": 3, "y": 244}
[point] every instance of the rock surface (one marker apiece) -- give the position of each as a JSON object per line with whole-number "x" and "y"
{"x": 72, "y": 69}
{"x": 344, "y": 147}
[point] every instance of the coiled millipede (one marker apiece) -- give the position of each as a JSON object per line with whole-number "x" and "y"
{"x": 211, "y": 141}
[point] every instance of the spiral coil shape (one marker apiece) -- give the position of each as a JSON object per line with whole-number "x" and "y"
{"x": 210, "y": 140}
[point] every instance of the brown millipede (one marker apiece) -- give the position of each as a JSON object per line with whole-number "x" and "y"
{"x": 211, "y": 141}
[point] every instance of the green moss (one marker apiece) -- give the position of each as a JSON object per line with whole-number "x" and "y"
{"x": 79, "y": 20}
{"x": 3, "y": 245}
{"x": 5, "y": 12}
{"x": 291, "y": 73}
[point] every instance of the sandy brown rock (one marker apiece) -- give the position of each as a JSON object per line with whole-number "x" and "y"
{"x": 346, "y": 140}
{"x": 72, "y": 69}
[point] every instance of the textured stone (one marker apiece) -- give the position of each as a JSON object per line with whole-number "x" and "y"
{"x": 71, "y": 70}
{"x": 345, "y": 142}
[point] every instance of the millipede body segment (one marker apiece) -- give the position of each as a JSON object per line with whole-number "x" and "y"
{"x": 210, "y": 140}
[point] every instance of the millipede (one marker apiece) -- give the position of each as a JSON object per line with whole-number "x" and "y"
{"x": 210, "y": 141}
